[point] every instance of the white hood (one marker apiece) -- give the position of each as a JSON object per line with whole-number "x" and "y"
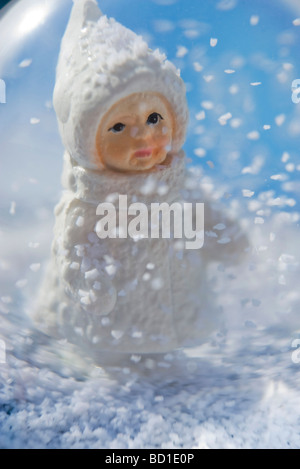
{"x": 101, "y": 62}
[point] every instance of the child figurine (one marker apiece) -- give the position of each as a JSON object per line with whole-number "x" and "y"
{"x": 122, "y": 115}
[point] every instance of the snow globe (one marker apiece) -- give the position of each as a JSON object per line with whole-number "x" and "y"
{"x": 229, "y": 126}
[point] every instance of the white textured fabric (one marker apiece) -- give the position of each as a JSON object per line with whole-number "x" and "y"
{"x": 126, "y": 295}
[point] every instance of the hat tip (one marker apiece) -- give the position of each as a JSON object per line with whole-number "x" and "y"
{"x": 86, "y": 10}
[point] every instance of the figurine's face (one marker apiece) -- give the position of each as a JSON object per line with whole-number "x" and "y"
{"x": 136, "y": 133}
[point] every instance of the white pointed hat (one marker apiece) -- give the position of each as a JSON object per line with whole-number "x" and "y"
{"x": 101, "y": 62}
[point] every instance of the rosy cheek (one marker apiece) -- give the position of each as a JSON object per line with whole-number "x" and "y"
{"x": 118, "y": 143}
{"x": 161, "y": 134}
{"x": 163, "y": 139}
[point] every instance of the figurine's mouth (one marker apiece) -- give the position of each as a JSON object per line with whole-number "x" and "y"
{"x": 143, "y": 153}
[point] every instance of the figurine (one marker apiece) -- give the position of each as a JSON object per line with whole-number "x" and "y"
{"x": 122, "y": 115}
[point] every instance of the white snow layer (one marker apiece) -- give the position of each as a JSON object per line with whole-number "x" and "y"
{"x": 240, "y": 390}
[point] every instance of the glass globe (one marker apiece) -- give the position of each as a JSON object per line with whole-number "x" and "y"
{"x": 240, "y": 62}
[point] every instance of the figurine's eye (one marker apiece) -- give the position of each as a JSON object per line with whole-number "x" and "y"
{"x": 154, "y": 118}
{"x": 117, "y": 128}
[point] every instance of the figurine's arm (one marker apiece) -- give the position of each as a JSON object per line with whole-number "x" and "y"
{"x": 79, "y": 258}
{"x": 224, "y": 239}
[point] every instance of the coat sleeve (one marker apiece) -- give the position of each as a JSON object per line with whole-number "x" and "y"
{"x": 224, "y": 239}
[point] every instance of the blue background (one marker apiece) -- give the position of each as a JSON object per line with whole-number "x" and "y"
{"x": 268, "y": 53}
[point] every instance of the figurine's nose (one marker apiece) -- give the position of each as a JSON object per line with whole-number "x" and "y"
{"x": 140, "y": 132}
